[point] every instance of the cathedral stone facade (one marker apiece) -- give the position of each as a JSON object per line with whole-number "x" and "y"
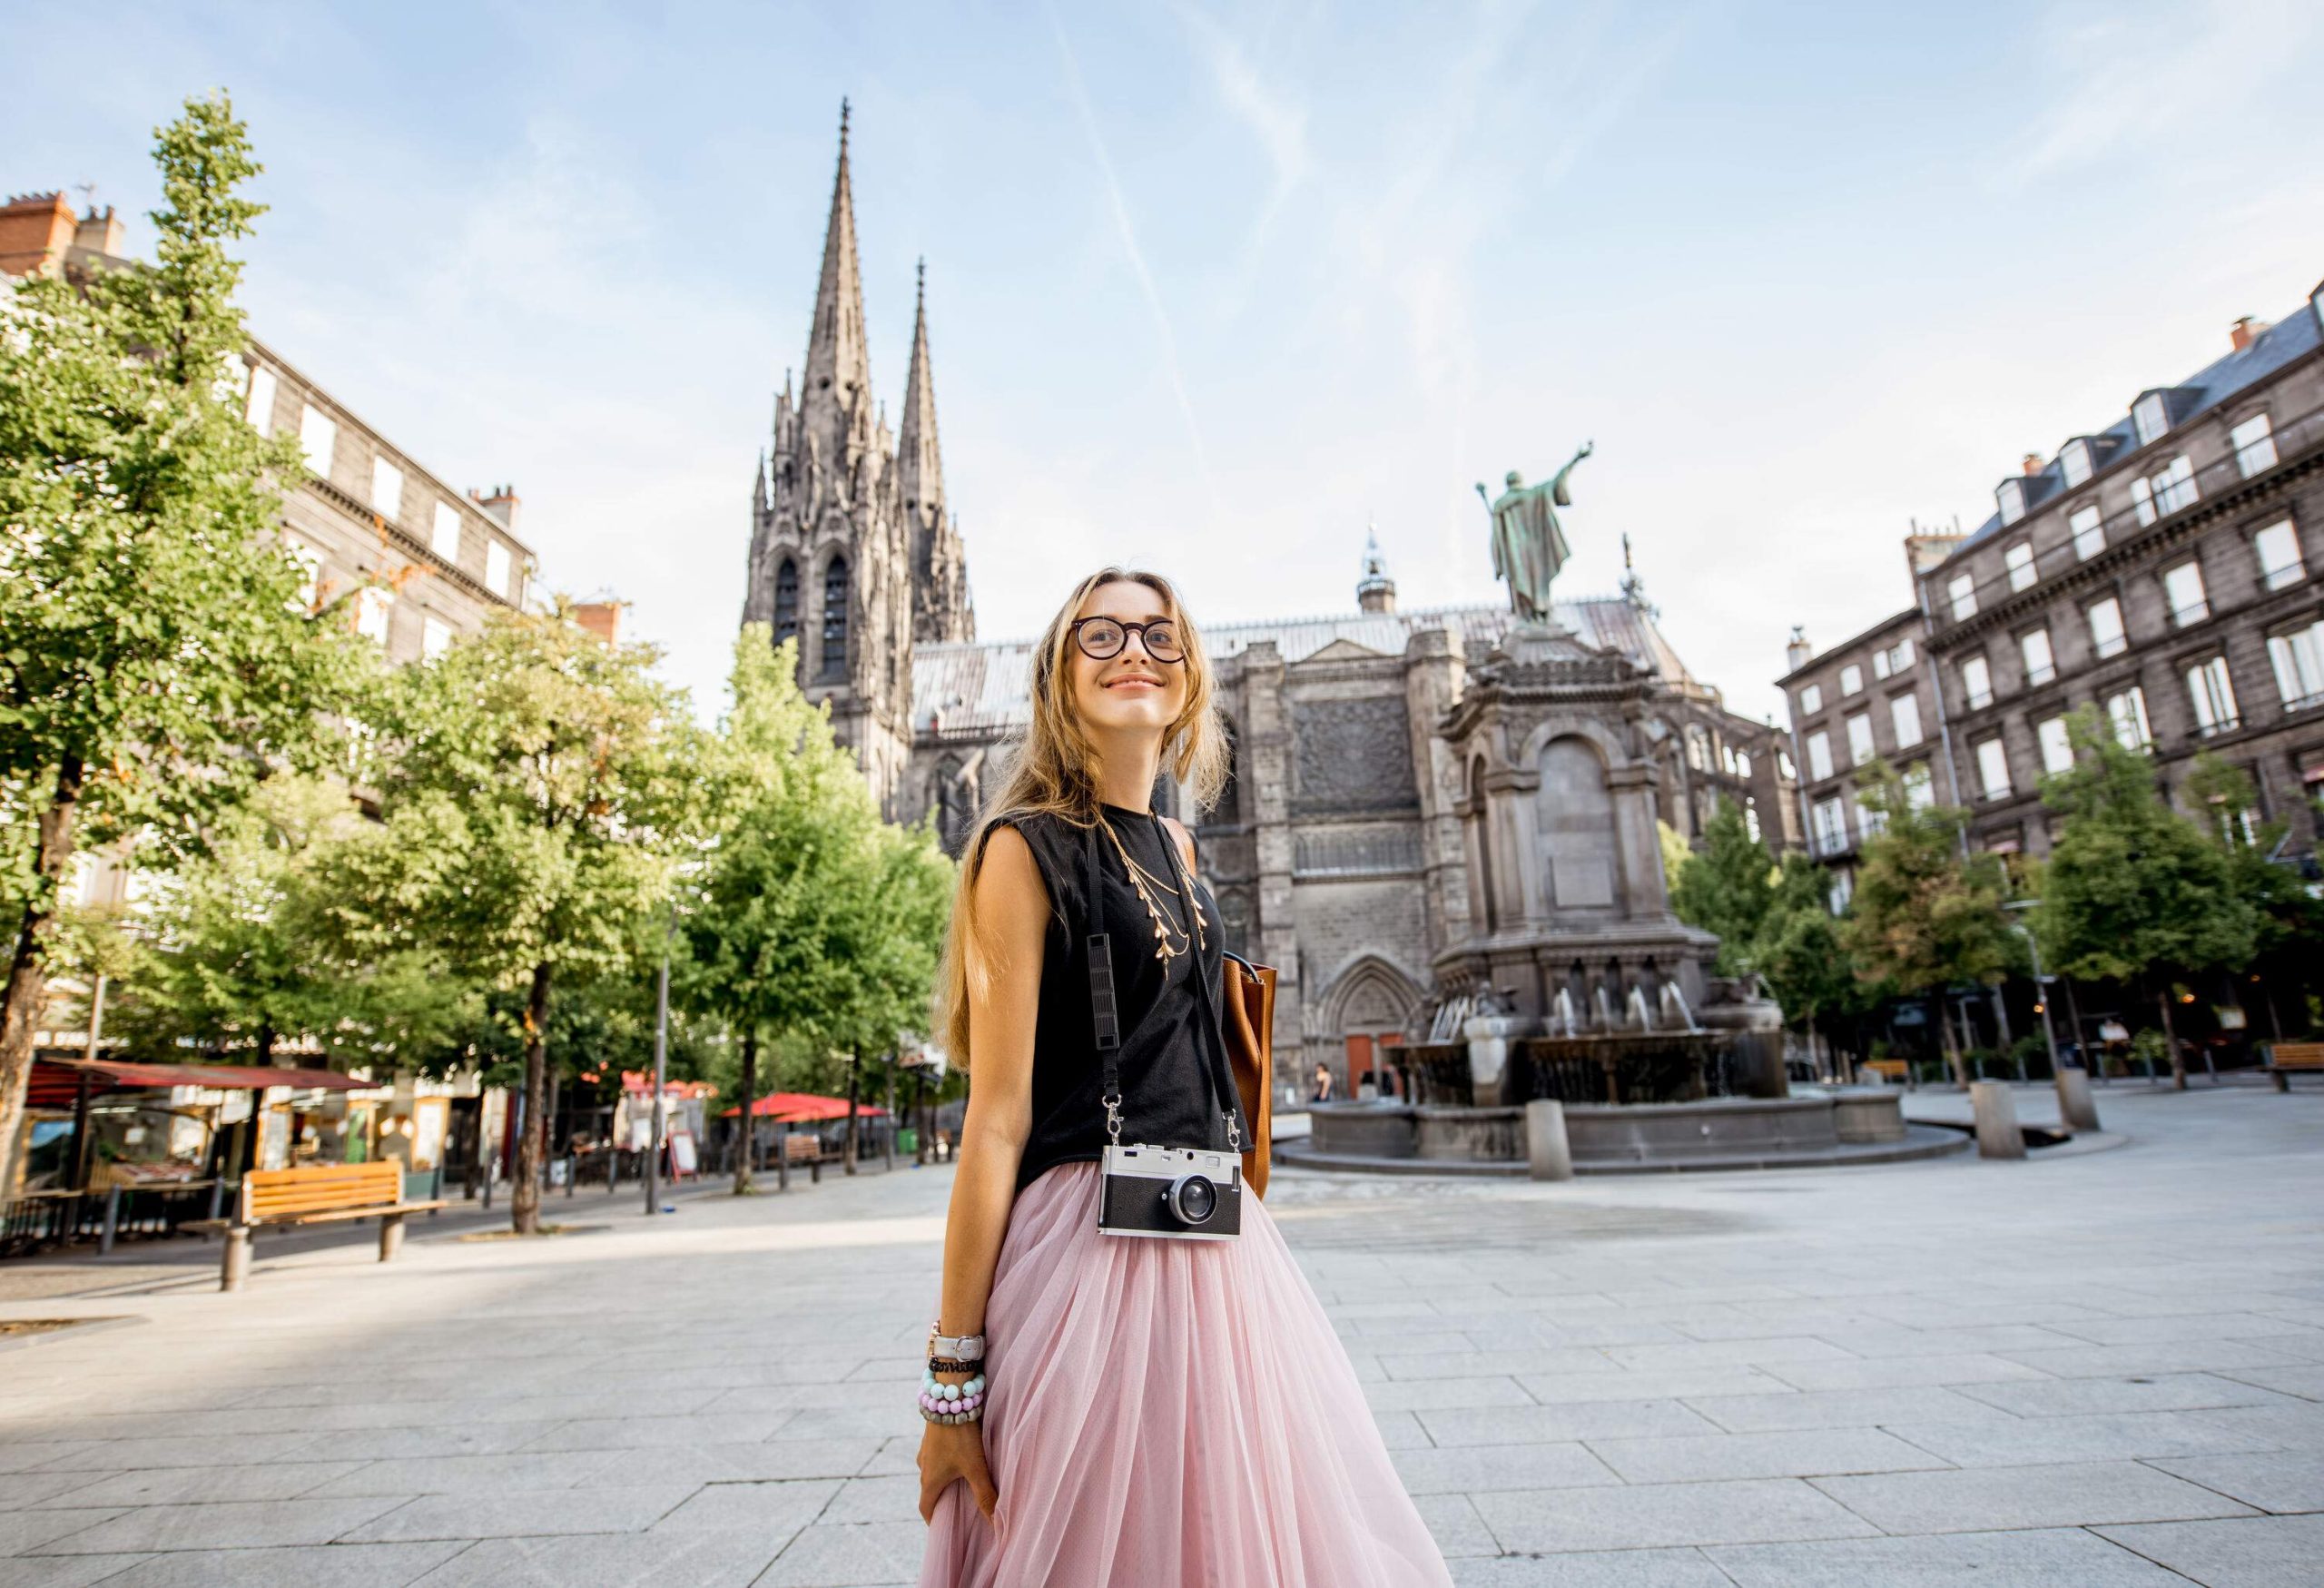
{"x": 1407, "y": 820}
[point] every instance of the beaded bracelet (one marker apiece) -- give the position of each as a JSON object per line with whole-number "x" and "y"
{"x": 950, "y": 1404}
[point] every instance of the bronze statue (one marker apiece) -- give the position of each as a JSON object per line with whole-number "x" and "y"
{"x": 1528, "y": 544}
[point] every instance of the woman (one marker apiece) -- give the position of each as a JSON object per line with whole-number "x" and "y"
{"x": 1107, "y": 1409}
{"x": 1323, "y": 1092}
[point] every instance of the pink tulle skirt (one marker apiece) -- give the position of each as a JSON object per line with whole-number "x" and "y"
{"x": 1166, "y": 1413}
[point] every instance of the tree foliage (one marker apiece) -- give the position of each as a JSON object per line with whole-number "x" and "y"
{"x": 156, "y": 661}
{"x": 1727, "y": 887}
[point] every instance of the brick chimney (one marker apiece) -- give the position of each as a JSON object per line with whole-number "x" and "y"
{"x": 500, "y": 507}
{"x": 99, "y": 231}
{"x": 1798, "y": 652}
{"x": 2244, "y": 331}
{"x": 2033, "y": 463}
{"x": 35, "y": 228}
{"x": 602, "y": 618}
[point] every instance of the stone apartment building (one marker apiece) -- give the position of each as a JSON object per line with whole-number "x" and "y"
{"x": 1350, "y": 849}
{"x": 2161, "y": 567}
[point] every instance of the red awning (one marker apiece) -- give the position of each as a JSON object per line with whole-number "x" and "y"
{"x": 57, "y": 1082}
{"x": 802, "y": 1106}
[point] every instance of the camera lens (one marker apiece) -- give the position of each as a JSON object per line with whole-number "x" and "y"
{"x": 1193, "y": 1199}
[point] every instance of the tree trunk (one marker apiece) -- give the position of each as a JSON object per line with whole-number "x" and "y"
{"x": 1953, "y": 1054}
{"x": 855, "y": 1087}
{"x": 2170, "y": 1040}
{"x": 28, "y": 968}
{"x": 532, "y": 1130}
{"x": 748, "y": 1124}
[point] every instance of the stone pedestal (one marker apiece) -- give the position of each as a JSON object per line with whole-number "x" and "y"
{"x": 1860, "y": 1118}
{"x": 1998, "y": 1135}
{"x": 2077, "y": 1110}
{"x": 1549, "y": 1156}
{"x": 1489, "y": 1038}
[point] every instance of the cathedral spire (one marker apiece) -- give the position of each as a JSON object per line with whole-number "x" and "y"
{"x": 839, "y": 365}
{"x": 919, "y": 457}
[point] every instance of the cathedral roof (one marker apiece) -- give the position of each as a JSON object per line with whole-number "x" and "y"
{"x": 981, "y": 689}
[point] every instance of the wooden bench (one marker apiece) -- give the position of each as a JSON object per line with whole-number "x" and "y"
{"x": 2285, "y": 1057}
{"x": 317, "y": 1194}
{"x": 1893, "y": 1068}
{"x": 801, "y": 1148}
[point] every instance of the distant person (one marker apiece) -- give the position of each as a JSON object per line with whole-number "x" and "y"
{"x": 1325, "y": 1085}
{"x": 1136, "y": 1410}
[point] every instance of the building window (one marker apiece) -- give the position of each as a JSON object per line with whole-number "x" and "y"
{"x": 1820, "y": 755}
{"x": 318, "y": 436}
{"x": 1843, "y": 889}
{"x": 373, "y": 608}
{"x": 1860, "y": 746}
{"x": 1880, "y": 664}
{"x": 261, "y": 409}
{"x": 1992, "y": 769}
{"x": 387, "y": 488}
{"x": 2214, "y": 696}
{"x": 1869, "y": 824}
{"x": 835, "y": 618}
{"x": 2073, "y": 462}
{"x": 1851, "y": 680}
{"x": 1920, "y": 788}
{"x": 2182, "y": 588}
{"x": 2089, "y": 533}
{"x": 497, "y": 568}
{"x": 2278, "y": 549}
{"x": 1698, "y": 750}
{"x": 2020, "y": 559}
{"x": 2174, "y": 487}
{"x": 435, "y": 637}
{"x": 444, "y": 538}
{"x": 1742, "y": 762}
{"x": 2057, "y": 745}
{"x": 1961, "y": 592}
{"x": 1976, "y": 682}
{"x": 2299, "y": 660}
{"x": 2041, "y": 666}
{"x": 1831, "y": 827}
{"x": 2254, "y": 444}
{"x": 310, "y": 558}
{"x": 1900, "y": 654}
{"x": 2151, "y": 417}
{"x": 2127, "y": 711}
{"x": 1905, "y": 716}
{"x": 786, "y": 601}
{"x": 1811, "y": 699}
{"x": 2106, "y": 635}
{"x": 2010, "y": 496}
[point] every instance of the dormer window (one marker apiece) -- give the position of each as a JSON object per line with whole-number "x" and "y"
{"x": 2010, "y": 495}
{"x": 2151, "y": 417}
{"x": 2076, "y": 462}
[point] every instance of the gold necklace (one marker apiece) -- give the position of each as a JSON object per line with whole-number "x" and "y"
{"x": 1164, "y": 949}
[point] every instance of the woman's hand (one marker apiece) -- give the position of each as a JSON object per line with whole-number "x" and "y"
{"x": 950, "y": 1452}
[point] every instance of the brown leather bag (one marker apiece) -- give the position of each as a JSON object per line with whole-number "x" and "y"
{"x": 1249, "y": 1020}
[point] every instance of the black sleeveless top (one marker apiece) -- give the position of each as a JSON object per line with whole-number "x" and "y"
{"x": 1172, "y": 1051}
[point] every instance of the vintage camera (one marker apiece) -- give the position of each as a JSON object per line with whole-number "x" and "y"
{"x": 1177, "y": 1193}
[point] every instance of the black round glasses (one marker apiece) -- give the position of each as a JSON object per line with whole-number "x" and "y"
{"x": 1102, "y": 640}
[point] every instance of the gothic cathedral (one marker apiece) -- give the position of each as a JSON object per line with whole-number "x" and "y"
{"x": 853, "y": 552}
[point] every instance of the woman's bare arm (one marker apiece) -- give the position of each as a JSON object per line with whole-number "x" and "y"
{"x": 1012, "y": 908}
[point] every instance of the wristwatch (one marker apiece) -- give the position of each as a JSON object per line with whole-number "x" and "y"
{"x": 962, "y": 1347}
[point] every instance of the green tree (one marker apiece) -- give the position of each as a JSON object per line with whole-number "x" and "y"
{"x": 1800, "y": 951}
{"x": 2133, "y": 891}
{"x": 536, "y": 784}
{"x": 2288, "y": 938}
{"x": 893, "y": 936}
{"x": 156, "y": 661}
{"x": 1926, "y": 916}
{"x": 1727, "y": 887}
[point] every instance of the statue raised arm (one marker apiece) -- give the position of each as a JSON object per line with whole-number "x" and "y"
{"x": 1528, "y": 544}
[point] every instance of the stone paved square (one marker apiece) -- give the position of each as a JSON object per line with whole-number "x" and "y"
{"x": 2102, "y": 1369}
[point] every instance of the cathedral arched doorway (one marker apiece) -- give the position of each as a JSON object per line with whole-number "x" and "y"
{"x": 1368, "y": 1007}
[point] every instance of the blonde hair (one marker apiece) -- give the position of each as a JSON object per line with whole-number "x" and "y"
{"x": 1055, "y": 773}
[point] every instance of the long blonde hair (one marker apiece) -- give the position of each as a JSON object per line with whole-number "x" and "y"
{"x": 1055, "y": 773}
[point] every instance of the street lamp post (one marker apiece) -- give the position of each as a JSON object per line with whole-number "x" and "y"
{"x": 2075, "y": 1110}
{"x": 661, "y": 1065}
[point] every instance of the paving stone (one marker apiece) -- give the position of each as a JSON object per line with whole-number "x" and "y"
{"x": 519, "y": 1512}
{"x": 1562, "y": 1424}
{"x": 645, "y": 1432}
{"x": 1475, "y": 1468}
{"x": 24, "y": 1490}
{"x": 2139, "y": 1360}
{"x": 1639, "y": 1568}
{"x": 1841, "y": 1408}
{"x": 1646, "y": 1517}
{"x": 136, "y": 1454}
{"x": 338, "y": 1565}
{"x": 445, "y": 1439}
{"x": 1899, "y": 1371}
{"x": 30, "y": 1455}
{"x": 1979, "y": 1499}
{"x": 2171, "y": 1392}
{"x": 1752, "y": 1353}
{"x": 1650, "y": 1384}
{"x": 2036, "y": 1559}
{"x": 166, "y": 1485}
{"x": 847, "y": 1555}
{"x": 884, "y": 1499}
{"x": 1453, "y": 1522}
{"x": 1805, "y": 1453}
{"x": 484, "y": 1474}
{"x": 1441, "y": 1365}
{"x": 67, "y": 1570}
{"x": 766, "y": 1508}
{"x": 236, "y": 1524}
{"x": 1435, "y": 1393}
{"x": 773, "y": 1462}
{"x": 2262, "y": 1551}
{"x": 705, "y": 1559}
{"x": 2281, "y": 1482}
{"x": 2292, "y": 1426}
{"x": 2116, "y": 1437}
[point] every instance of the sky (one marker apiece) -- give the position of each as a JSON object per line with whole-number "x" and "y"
{"x": 1214, "y": 288}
